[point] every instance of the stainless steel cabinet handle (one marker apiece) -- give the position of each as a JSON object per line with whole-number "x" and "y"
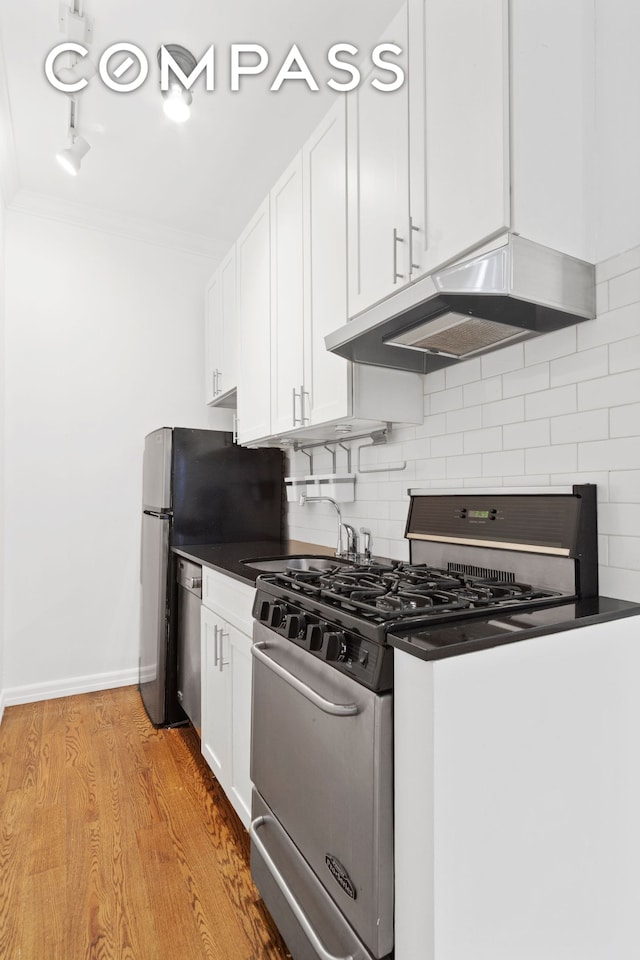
{"x": 235, "y": 428}
{"x": 299, "y": 419}
{"x": 218, "y": 387}
{"x": 215, "y": 646}
{"x": 306, "y": 417}
{"x": 221, "y": 661}
{"x": 193, "y": 582}
{"x": 214, "y": 378}
{"x": 412, "y": 229}
{"x": 283, "y": 886}
{"x": 396, "y": 240}
{"x": 335, "y": 709}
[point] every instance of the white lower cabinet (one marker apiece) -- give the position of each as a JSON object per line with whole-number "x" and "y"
{"x": 226, "y": 685}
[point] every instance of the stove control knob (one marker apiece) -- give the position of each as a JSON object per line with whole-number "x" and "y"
{"x": 336, "y": 648}
{"x": 262, "y": 612}
{"x": 294, "y": 626}
{"x": 314, "y": 635}
{"x": 277, "y": 613}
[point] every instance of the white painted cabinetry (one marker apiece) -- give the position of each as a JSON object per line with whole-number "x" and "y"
{"x": 254, "y": 328}
{"x": 378, "y": 164}
{"x": 493, "y": 131}
{"x": 226, "y": 624}
{"x": 221, "y": 335}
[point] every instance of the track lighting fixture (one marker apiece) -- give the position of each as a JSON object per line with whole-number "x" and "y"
{"x": 70, "y": 157}
{"x": 177, "y": 99}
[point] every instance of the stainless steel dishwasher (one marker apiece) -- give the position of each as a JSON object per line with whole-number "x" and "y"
{"x": 189, "y": 579}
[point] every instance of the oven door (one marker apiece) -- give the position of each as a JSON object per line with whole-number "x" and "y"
{"x": 321, "y": 760}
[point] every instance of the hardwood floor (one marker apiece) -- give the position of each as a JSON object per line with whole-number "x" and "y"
{"x": 116, "y": 842}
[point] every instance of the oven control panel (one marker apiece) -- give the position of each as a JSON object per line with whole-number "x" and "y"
{"x": 368, "y": 662}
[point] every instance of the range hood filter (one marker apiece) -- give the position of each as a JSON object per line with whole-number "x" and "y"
{"x": 458, "y": 336}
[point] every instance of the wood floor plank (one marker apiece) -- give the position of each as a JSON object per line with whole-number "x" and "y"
{"x": 117, "y": 843}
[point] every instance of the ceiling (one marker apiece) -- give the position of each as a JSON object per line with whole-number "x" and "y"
{"x": 203, "y": 178}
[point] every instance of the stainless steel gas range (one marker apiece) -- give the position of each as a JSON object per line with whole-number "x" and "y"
{"x": 484, "y": 570}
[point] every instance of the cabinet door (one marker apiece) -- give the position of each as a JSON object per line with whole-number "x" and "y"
{"x": 213, "y": 338}
{"x": 238, "y": 653}
{"x": 326, "y": 378}
{"x": 254, "y": 370}
{"x": 459, "y": 127}
{"x": 378, "y": 165}
{"x": 215, "y": 723}
{"x": 227, "y": 284}
{"x": 287, "y": 302}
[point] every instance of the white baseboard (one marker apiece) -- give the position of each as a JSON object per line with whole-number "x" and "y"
{"x": 2, "y": 704}
{"x": 67, "y": 687}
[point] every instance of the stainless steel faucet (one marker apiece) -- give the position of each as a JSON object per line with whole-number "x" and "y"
{"x": 304, "y": 499}
{"x": 366, "y": 544}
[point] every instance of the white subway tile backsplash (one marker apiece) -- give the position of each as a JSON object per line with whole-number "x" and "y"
{"x": 624, "y": 552}
{"x": 433, "y": 426}
{"x": 550, "y": 403}
{"x": 484, "y": 391}
{"x": 615, "y": 266}
{"x": 624, "y": 289}
{"x": 602, "y": 298}
{"x": 624, "y": 486}
{"x": 417, "y": 449}
{"x": 483, "y": 441}
{"x": 550, "y": 345}
{"x": 623, "y": 584}
{"x": 503, "y": 411}
{"x": 460, "y": 373}
{"x": 466, "y": 466}
{"x": 446, "y": 400}
{"x": 619, "y": 519}
{"x": 586, "y": 365}
{"x": 609, "y": 327}
{"x": 433, "y": 469}
{"x": 576, "y": 427}
{"x": 529, "y": 380}
{"x": 603, "y": 549}
{"x": 611, "y": 391}
{"x": 554, "y": 459}
{"x": 624, "y": 355}
{"x": 536, "y": 482}
{"x": 503, "y": 361}
{"x": 434, "y": 382}
{"x": 531, "y": 433}
{"x": 618, "y": 454}
{"x": 624, "y": 421}
{"x": 505, "y": 464}
{"x": 469, "y": 418}
{"x": 451, "y": 445}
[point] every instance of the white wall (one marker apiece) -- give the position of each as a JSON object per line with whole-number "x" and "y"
{"x": 104, "y": 343}
{"x": 560, "y": 409}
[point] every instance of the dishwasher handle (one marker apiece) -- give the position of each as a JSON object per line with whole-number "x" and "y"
{"x": 283, "y": 886}
{"x": 334, "y": 709}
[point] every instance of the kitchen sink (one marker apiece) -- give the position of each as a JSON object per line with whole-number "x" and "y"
{"x": 278, "y": 564}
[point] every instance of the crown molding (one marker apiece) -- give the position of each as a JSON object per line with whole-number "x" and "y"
{"x": 9, "y": 180}
{"x": 81, "y": 215}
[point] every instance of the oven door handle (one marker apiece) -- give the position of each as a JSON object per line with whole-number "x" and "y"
{"x": 335, "y": 709}
{"x": 283, "y": 886}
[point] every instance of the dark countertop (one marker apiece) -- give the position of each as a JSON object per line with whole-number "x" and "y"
{"x": 226, "y": 557}
{"x": 467, "y": 636}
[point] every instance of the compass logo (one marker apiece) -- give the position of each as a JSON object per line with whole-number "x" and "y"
{"x": 124, "y": 67}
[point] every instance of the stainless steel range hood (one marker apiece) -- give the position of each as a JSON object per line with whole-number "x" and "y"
{"x": 517, "y": 291}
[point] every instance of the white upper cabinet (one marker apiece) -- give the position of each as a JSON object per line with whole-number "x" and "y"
{"x": 287, "y": 300}
{"x": 254, "y": 333}
{"x": 378, "y": 170}
{"x": 221, "y": 334}
{"x": 458, "y": 127}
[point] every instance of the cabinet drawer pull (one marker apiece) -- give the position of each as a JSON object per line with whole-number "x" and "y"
{"x": 396, "y": 240}
{"x": 297, "y": 420}
{"x": 215, "y": 646}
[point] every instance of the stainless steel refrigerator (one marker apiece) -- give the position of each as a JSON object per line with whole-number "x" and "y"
{"x": 198, "y": 487}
